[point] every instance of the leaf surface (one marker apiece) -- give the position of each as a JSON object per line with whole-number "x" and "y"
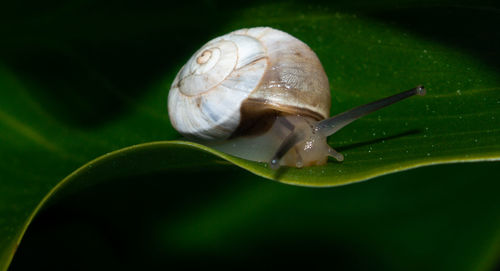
{"x": 74, "y": 91}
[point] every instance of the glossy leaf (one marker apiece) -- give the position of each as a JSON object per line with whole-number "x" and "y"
{"x": 74, "y": 89}
{"x": 225, "y": 217}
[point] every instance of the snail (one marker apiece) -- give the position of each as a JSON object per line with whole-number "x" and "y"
{"x": 262, "y": 95}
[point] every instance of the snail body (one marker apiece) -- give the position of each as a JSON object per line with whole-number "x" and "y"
{"x": 259, "y": 94}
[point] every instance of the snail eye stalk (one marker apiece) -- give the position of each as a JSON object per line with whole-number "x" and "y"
{"x": 330, "y": 126}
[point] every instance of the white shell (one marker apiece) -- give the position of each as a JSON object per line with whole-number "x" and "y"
{"x": 263, "y": 65}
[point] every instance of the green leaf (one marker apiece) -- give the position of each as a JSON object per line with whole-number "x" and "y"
{"x": 75, "y": 89}
{"x": 224, "y": 217}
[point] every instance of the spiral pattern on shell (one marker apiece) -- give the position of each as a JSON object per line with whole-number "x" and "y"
{"x": 260, "y": 64}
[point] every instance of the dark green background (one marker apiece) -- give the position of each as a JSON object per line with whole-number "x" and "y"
{"x": 88, "y": 60}
{"x": 434, "y": 218}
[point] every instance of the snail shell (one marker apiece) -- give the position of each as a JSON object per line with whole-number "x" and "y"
{"x": 262, "y": 95}
{"x": 237, "y": 78}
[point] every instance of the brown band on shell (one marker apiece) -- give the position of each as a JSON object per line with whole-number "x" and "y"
{"x": 258, "y": 116}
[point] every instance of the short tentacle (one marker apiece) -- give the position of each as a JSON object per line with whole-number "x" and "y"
{"x": 336, "y": 155}
{"x": 299, "y": 162}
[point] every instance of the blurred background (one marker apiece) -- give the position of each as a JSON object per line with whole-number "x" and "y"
{"x": 90, "y": 64}
{"x": 433, "y": 218}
